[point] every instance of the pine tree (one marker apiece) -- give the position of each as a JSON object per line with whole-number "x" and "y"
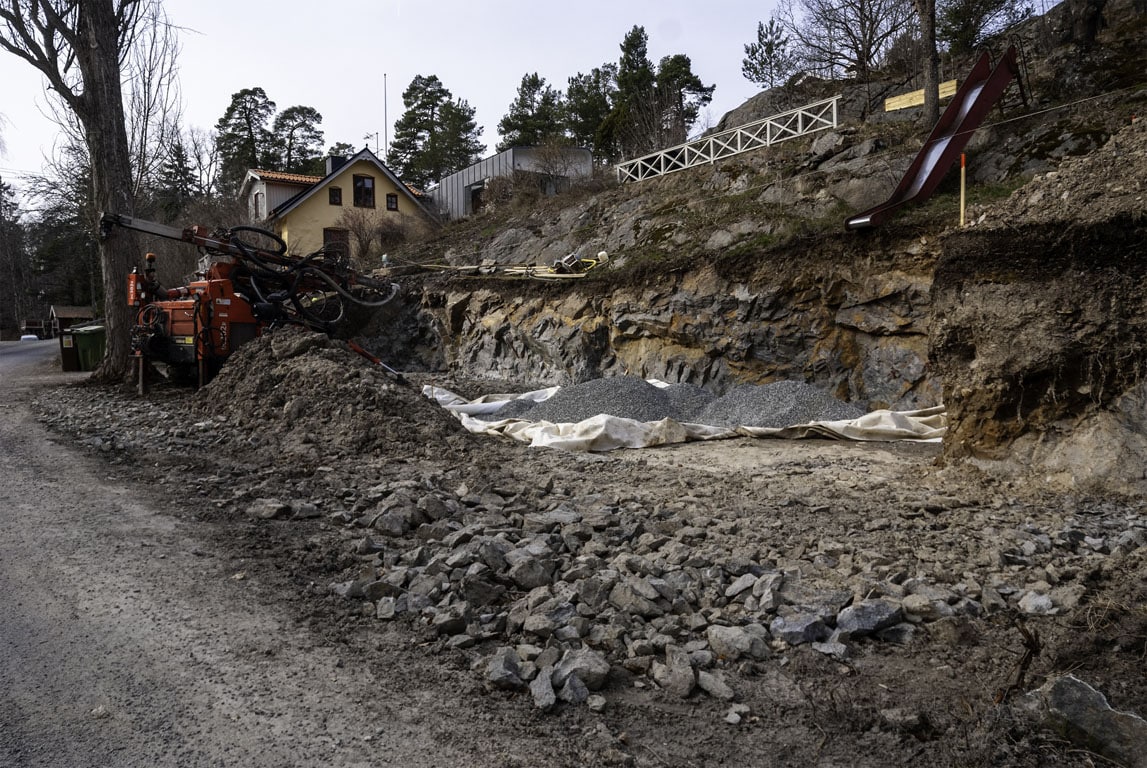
{"x": 341, "y": 149}
{"x": 242, "y": 137}
{"x": 461, "y": 146}
{"x": 435, "y": 136}
{"x": 298, "y": 140}
{"x": 633, "y": 124}
{"x": 652, "y": 108}
{"x": 589, "y": 100}
{"x": 769, "y": 62}
{"x": 176, "y": 184}
{"x": 535, "y": 116}
{"x": 635, "y": 75}
{"x": 15, "y": 264}
{"x": 680, "y": 97}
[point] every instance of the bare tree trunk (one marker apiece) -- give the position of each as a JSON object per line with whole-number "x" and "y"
{"x": 926, "y": 10}
{"x": 97, "y": 55}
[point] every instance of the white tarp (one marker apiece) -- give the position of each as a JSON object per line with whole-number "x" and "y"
{"x": 605, "y": 433}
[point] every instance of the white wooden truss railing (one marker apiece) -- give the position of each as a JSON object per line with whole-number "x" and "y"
{"x": 793, "y": 124}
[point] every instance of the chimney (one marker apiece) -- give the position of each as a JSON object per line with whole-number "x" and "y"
{"x": 334, "y": 162}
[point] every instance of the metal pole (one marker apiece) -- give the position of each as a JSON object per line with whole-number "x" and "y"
{"x": 385, "y": 119}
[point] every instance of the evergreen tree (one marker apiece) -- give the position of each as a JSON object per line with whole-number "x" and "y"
{"x": 298, "y": 140}
{"x": 589, "y": 100}
{"x": 460, "y": 144}
{"x": 341, "y": 149}
{"x": 176, "y": 183}
{"x": 15, "y": 264}
{"x": 242, "y": 137}
{"x": 635, "y": 75}
{"x": 435, "y": 136}
{"x": 632, "y": 125}
{"x": 535, "y": 116}
{"x": 65, "y": 264}
{"x": 680, "y": 97}
{"x": 652, "y": 108}
{"x": 769, "y": 62}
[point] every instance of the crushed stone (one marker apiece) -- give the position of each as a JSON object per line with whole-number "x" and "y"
{"x": 626, "y": 397}
{"x": 779, "y": 404}
{"x": 688, "y": 399}
{"x": 776, "y": 405}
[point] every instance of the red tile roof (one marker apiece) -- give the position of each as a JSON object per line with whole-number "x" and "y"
{"x": 287, "y": 178}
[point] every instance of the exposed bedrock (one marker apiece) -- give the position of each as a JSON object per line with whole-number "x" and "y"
{"x": 860, "y": 334}
{"x": 1033, "y": 337}
{"x": 1038, "y": 338}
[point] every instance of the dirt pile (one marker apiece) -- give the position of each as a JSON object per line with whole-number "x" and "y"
{"x": 300, "y": 396}
{"x": 1101, "y": 186}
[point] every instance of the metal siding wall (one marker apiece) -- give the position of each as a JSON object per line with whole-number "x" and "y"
{"x": 277, "y": 194}
{"x": 451, "y": 192}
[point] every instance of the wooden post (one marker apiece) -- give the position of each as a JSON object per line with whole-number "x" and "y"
{"x": 963, "y": 180}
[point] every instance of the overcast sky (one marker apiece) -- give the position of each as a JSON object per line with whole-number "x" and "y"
{"x": 333, "y": 56}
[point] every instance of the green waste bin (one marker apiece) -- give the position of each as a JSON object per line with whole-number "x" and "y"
{"x": 90, "y": 341}
{"x": 69, "y": 354}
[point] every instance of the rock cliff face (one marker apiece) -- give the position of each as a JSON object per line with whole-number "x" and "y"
{"x": 860, "y": 331}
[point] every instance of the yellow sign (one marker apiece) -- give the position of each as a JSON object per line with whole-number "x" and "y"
{"x": 916, "y": 98}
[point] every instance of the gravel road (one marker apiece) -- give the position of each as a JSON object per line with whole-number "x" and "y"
{"x": 132, "y": 639}
{"x": 128, "y": 642}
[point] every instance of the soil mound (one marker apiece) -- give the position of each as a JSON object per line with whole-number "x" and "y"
{"x": 1096, "y": 187}
{"x": 301, "y": 394}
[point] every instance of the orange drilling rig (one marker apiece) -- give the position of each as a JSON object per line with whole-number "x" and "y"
{"x": 241, "y": 289}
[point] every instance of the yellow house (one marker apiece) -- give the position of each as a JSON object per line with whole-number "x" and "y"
{"x": 359, "y": 203}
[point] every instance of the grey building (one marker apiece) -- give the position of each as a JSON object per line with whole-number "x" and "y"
{"x": 460, "y": 194}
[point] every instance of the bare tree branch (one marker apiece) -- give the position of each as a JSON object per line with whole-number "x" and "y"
{"x": 79, "y": 45}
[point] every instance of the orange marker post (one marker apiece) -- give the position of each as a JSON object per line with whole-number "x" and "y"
{"x": 963, "y": 180}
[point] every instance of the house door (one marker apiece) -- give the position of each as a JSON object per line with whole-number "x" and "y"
{"x": 337, "y": 241}
{"x": 475, "y": 192}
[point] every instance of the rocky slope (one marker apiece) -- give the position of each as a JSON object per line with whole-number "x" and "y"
{"x": 742, "y": 601}
{"x": 1038, "y": 323}
{"x": 740, "y": 273}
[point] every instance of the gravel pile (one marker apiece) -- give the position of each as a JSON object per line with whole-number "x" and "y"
{"x": 626, "y": 397}
{"x": 780, "y": 404}
{"x": 513, "y": 409}
{"x": 688, "y": 399}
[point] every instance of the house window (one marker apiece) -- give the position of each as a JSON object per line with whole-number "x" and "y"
{"x": 364, "y": 191}
{"x": 335, "y": 195}
{"x": 336, "y": 241}
{"x": 392, "y": 202}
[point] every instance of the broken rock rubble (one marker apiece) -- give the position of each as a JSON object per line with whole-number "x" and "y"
{"x": 686, "y": 589}
{"x": 560, "y": 597}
